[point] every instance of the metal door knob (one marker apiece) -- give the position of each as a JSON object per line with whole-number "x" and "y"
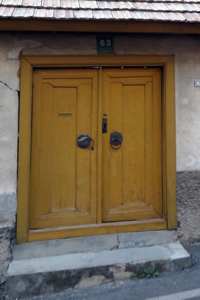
{"x": 116, "y": 140}
{"x": 84, "y": 141}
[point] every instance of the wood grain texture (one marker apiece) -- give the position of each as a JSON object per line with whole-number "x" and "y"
{"x": 157, "y": 146}
{"x": 63, "y": 176}
{"x": 99, "y": 148}
{"x": 94, "y": 60}
{"x": 132, "y": 175}
{"x": 170, "y": 145}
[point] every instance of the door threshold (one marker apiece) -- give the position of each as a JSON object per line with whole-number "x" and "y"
{"x": 96, "y": 229}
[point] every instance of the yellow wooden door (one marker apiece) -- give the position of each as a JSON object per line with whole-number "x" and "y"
{"x": 132, "y": 175}
{"x": 64, "y": 182}
{"x": 63, "y": 176}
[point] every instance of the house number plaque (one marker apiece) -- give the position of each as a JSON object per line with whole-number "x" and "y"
{"x": 105, "y": 45}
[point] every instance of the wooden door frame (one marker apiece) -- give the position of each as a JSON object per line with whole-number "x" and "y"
{"x": 168, "y": 132}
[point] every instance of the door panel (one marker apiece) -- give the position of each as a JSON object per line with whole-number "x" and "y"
{"x": 132, "y": 175}
{"x": 63, "y": 176}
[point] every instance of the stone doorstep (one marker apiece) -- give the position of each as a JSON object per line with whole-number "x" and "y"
{"x": 93, "y": 244}
{"x": 54, "y": 274}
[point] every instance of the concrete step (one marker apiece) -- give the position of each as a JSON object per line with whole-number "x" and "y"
{"x": 93, "y": 244}
{"x": 53, "y": 266}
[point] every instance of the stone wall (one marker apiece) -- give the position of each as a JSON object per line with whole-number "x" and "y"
{"x": 188, "y": 205}
{"x": 186, "y": 50}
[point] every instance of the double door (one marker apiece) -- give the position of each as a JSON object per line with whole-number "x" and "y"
{"x": 96, "y": 147}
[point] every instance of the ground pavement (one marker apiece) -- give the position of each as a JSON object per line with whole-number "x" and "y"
{"x": 173, "y": 285}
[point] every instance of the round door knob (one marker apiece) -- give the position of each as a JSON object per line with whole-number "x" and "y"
{"x": 116, "y": 140}
{"x": 84, "y": 141}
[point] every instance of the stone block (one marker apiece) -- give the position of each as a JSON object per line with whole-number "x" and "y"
{"x": 146, "y": 239}
{"x": 7, "y": 236}
{"x": 65, "y": 246}
{"x": 188, "y": 209}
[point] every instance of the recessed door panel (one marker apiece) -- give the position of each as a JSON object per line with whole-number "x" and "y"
{"x": 63, "y": 176}
{"x": 132, "y": 173}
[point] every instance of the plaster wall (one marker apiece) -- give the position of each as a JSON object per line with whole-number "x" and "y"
{"x": 186, "y": 50}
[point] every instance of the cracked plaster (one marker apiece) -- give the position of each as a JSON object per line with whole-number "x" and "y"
{"x": 8, "y": 73}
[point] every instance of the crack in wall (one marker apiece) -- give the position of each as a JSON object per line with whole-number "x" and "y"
{"x": 8, "y": 86}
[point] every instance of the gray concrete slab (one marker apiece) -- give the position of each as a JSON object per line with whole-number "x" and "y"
{"x": 56, "y": 273}
{"x": 65, "y": 246}
{"x": 30, "y": 250}
{"x": 93, "y": 244}
{"x": 82, "y": 244}
{"x": 146, "y": 239}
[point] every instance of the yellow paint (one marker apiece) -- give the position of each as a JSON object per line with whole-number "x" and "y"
{"x": 24, "y": 151}
{"x": 96, "y": 229}
{"x": 65, "y": 114}
{"x": 63, "y": 176}
{"x": 73, "y": 181}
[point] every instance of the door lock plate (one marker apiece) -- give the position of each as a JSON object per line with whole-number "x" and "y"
{"x": 104, "y": 126}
